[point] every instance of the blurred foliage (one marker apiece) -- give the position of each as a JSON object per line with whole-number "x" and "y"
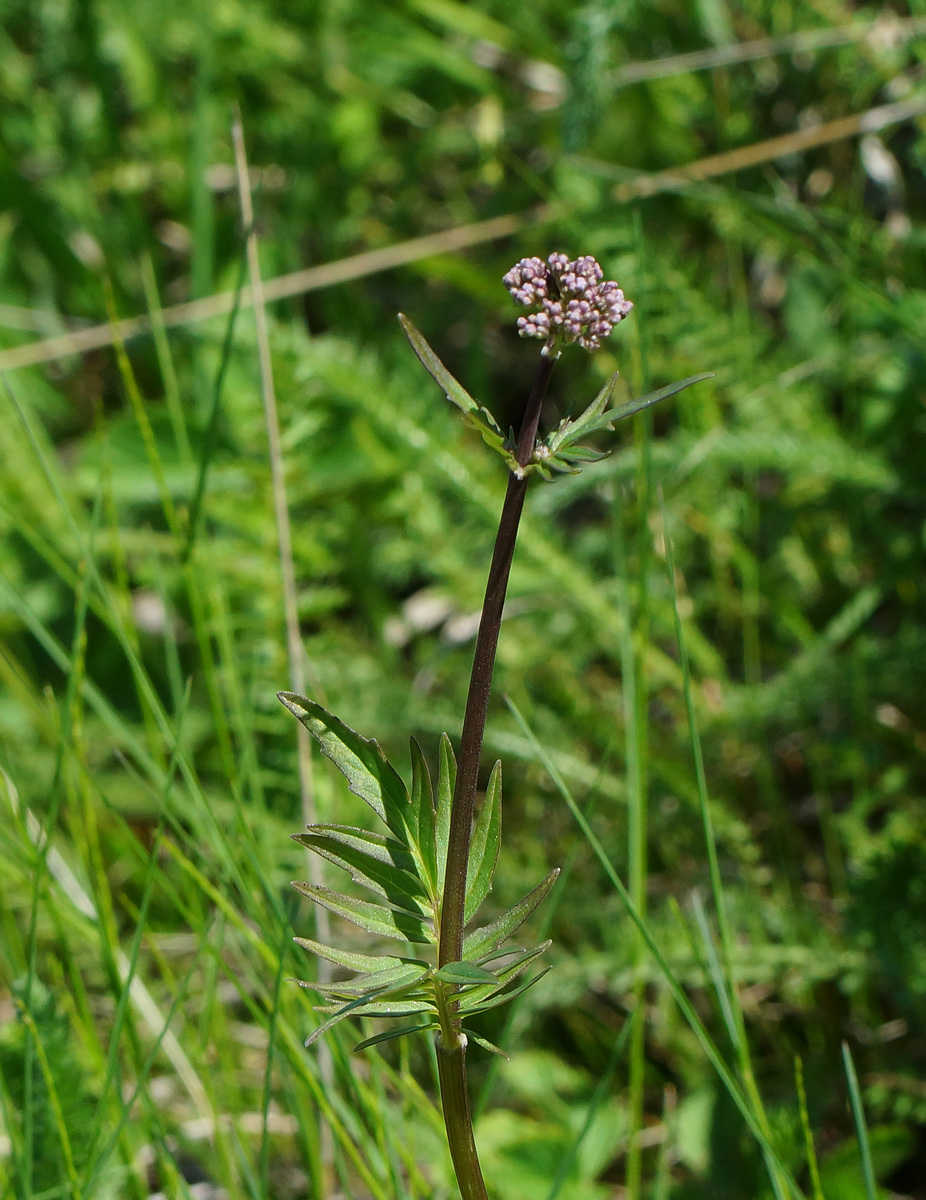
{"x": 139, "y": 660}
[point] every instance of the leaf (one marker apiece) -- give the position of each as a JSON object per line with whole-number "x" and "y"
{"x": 347, "y": 958}
{"x": 476, "y": 414}
{"x": 568, "y": 430}
{"x": 339, "y": 1013}
{"x": 503, "y": 997}
{"x": 483, "y": 854}
{"x": 455, "y": 392}
{"x": 377, "y": 862}
{"x": 508, "y": 952}
{"x": 517, "y": 960}
{"x": 446, "y": 781}
{"x": 374, "y": 918}
{"x": 402, "y": 976}
{"x": 578, "y": 454}
{"x": 360, "y": 760}
{"x": 388, "y": 1008}
{"x": 378, "y": 846}
{"x": 480, "y": 941}
{"x": 393, "y": 1033}
{"x": 423, "y": 810}
{"x": 560, "y": 451}
{"x": 608, "y": 419}
{"x": 465, "y": 972}
{"x": 504, "y": 976}
{"x": 486, "y": 1044}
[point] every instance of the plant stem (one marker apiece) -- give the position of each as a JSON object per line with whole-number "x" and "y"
{"x": 480, "y": 685}
{"x": 458, "y": 1120}
{"x": 451, "y": 1049}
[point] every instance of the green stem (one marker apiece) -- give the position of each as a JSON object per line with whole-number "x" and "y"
{"x": 458, "y": 1119}
{"x": 451, "y": 1050}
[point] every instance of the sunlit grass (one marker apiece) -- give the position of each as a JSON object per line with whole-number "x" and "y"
{"x": 725, "y": 691}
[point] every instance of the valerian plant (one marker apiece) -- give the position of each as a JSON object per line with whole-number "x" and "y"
{"x": 433, "y": 868}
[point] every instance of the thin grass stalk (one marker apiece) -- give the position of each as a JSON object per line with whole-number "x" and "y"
{"x": 602, "y": 1088}
{"x": 191, "y": 518}
{"x": 294, "y": 647}
{"x": 687, "y": 1009}
{"x": 634, "y": 750}
{"x": 41, "y": 839}
{"x": 208, "y": 828}
{"x": 662, "y": 1184}
{"x": 165, "y": 362}
{"x": 727, "y": 991}
{"x": 861, "y": 1127}
{"x": 635, "y": 628}
{"x": 120, "y": 573}
{"x": 54, "y": 1103}
{"x": 191, "y": 579}
{"x": 264, "y": 1155}
{"x": 98, "y": 1163}
{"x": 813, "y": 1166}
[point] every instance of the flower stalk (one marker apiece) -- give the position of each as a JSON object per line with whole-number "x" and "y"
{"x": 477, "y": 701}
{"x": 451, "y": 1056}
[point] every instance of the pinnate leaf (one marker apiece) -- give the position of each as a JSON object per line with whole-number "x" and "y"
{"x": 504, "y": 996}
{"x": 465, "y": 973}
{"x": 483, "y": 854}
{"x": 486, "y": 1044}
{"x": 374, "y": 918}
{"x": 423, "y": 810}
{"x": 360, "y": 760}
{"x": 402, "y": 976}
{"x": 348, "y": 958}
{"x": 389, "y": 1034}
{"x": 504, "y": 975}
{"x": 398, "y": 995}
{"x": 377, "y": 862}
{"x": 490, "y": 937}
{"x": 476, "y": 414}
{"x": 446, "y": 781}
{"x": 560, "y": 451}
{"x": 394, "y": 1008}
{"x": 608, "y": 419}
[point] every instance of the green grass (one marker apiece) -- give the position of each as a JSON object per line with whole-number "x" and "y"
{"x": 716, "y": 724}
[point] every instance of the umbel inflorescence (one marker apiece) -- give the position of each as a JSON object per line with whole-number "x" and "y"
{"x": 576, "y": 303}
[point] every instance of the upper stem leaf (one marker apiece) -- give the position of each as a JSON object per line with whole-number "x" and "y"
{"x": 476, "y": 414}
{"x": 481, "y": 941}
{"x": 360, "y": 760}
{"x": 349, "y": 958}
{"x": 423, "y": 810}
{"x": 374, "y": 918}
{"x": 383, "y": 866}
{"x": 483, "y": 854}
{"x": 446, "y": 782}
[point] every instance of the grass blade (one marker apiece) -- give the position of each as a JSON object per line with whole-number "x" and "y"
{"x": 687, "y": 1009}
{"x": 861, "y": 1127}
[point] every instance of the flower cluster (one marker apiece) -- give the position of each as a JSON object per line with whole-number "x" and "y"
{"x": 574, "y": 303}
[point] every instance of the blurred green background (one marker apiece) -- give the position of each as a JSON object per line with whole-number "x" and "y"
{"x": 141, "y": 648}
